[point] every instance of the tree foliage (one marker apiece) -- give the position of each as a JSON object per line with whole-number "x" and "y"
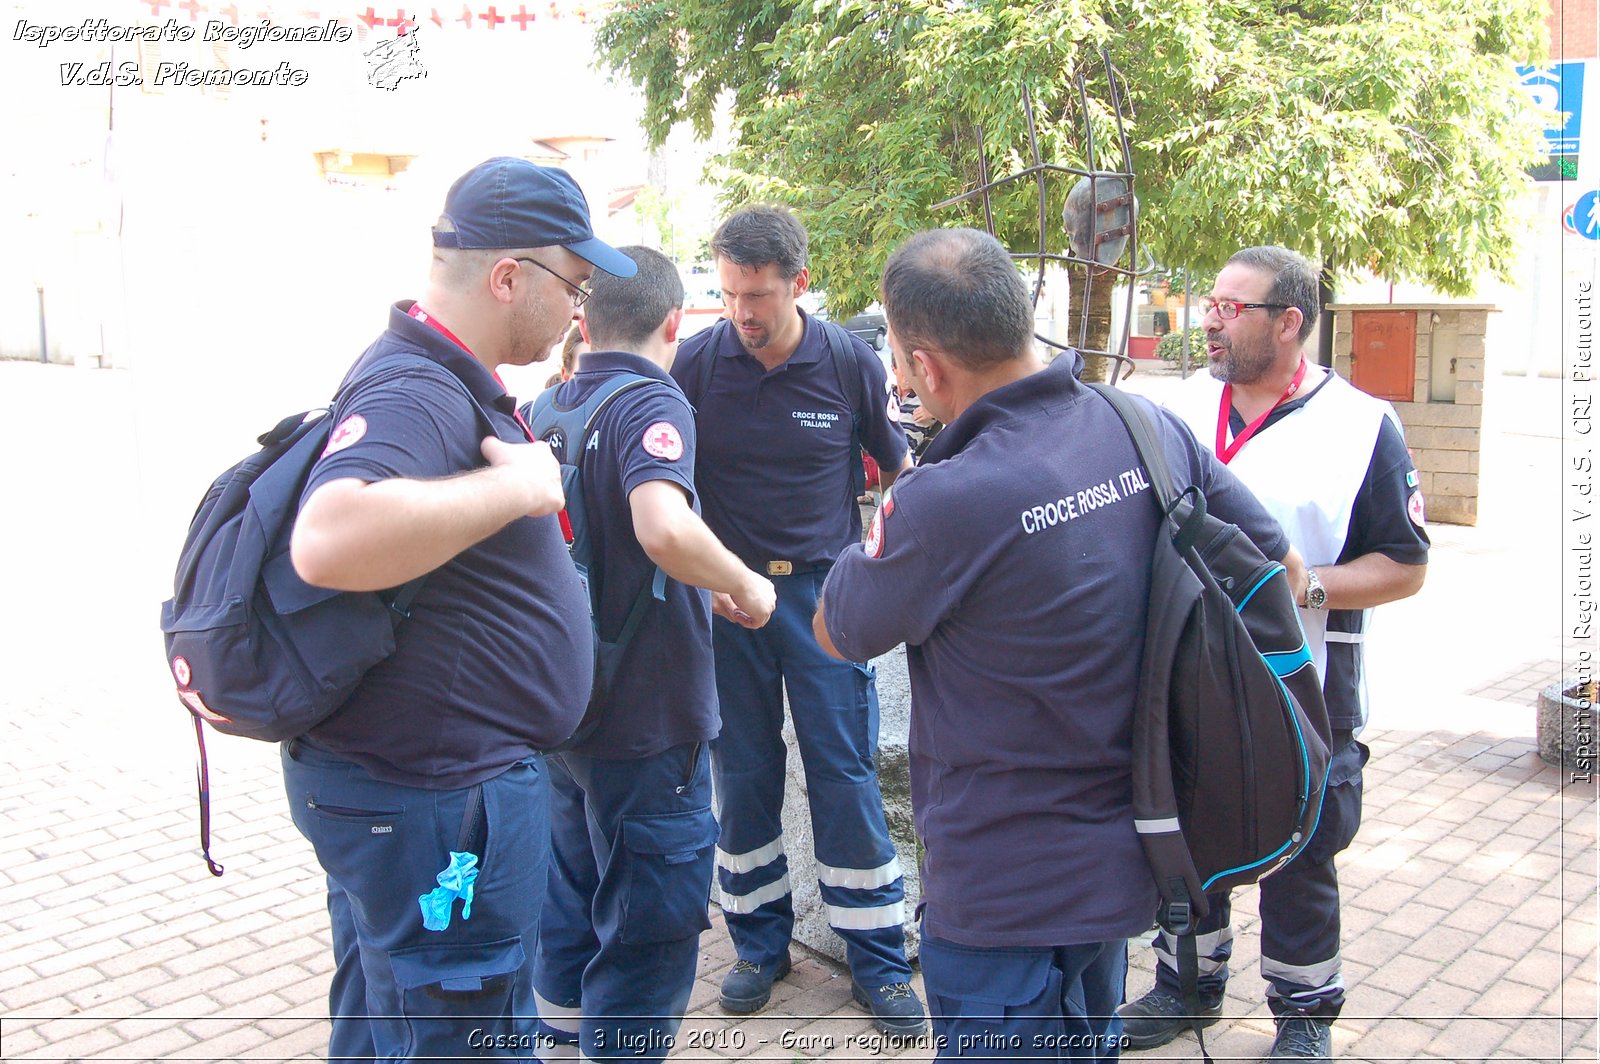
{"x": 1383, "y": 133}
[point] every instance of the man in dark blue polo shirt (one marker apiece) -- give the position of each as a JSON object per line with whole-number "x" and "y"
{"x": 631, "y": 825}
{"x": 1024, "y": 646}
{"x": 780, "y": 418}
{"x": 428, "y": 786}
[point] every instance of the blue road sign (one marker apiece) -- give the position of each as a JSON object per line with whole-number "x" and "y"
{"x": 1558, "y": 87}
{"x": 1583, "y": 217}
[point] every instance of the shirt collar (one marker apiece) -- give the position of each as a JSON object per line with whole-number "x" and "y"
{"x": 619, "y": 362}
{"x": 1055, "y": 384}
{"x": 484, "y": 385}
{"x": 810, "y": 349}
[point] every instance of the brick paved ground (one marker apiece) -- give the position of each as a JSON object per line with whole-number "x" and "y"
{"x": 1470, "y": 894}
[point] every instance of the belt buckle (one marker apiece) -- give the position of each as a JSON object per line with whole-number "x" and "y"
{"x": 780, "y": 568}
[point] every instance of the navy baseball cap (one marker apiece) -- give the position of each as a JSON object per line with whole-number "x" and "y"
{"x": 512, "y": 203}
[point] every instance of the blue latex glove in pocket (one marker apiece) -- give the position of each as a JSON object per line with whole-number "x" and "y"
{"x": 456, "y": 881}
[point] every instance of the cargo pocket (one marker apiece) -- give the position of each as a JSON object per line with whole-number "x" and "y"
{"x": 468, "y": 981}
{"x": 669, "y": 860}
{"x": 1341, "y": 804}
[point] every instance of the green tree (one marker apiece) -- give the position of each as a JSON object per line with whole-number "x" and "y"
{"x": 1383, "y": 133}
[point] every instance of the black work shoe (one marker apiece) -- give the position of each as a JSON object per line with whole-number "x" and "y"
{"x": 747, "y": 987}
{"x": 1159, "y": 1017}
{"x": 895, "y": 1008}
{"x": 1303, "y": 1037}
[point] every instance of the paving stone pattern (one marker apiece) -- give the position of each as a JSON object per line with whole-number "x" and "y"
{"x": 1470, "y": 907}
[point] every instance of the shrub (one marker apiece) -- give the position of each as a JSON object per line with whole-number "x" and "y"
{"x": 1170, "y": 347}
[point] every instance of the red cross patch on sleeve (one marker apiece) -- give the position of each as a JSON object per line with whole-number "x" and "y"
{"x": 349, "y": 431}
{"x": 662, "y": 441}
{"x": 874, "y": 541}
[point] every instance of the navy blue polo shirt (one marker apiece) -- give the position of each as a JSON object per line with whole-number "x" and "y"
{"x": 776, "y": 474}
{"x": 1014, "y": 565}
{"x": 665, "y": 692}
{"x": 495, "y": 661}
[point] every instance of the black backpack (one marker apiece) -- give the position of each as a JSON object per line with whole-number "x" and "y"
{"x": 1230, "y": 734}
{"x": 844, "y": 366}
{"x": 255, "y": 650}
{"x": 569, "y": 431}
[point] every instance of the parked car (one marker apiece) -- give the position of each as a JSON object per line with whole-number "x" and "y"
{"x": 870, "y": 324}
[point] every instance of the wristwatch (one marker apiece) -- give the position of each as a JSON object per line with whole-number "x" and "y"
{"x": 1316, "y": 594}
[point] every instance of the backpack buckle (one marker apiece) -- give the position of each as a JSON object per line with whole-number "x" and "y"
{"x": 1177, "y": 917}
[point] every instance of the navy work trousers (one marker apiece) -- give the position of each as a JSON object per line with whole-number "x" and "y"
{"x": 1051, "y": 1003}
{"x": 400, "y": 991}
{"x": 834, "y": 705}
{"x": 630, "y": 875}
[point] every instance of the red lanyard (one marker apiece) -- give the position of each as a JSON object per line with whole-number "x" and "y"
{"x": 429, "y": 320}
{"x": 423, "y": 316}
{"x": 1225, "y": 450}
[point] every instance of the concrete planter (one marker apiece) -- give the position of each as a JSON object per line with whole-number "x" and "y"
{"x": 1566, "y": 725}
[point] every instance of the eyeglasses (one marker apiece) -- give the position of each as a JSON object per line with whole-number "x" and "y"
{"x": 1228, "y": 309}
{"x": 580, "y": 294}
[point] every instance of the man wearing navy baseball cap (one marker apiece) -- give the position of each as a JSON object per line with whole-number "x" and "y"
{"x": 425, "y": 795}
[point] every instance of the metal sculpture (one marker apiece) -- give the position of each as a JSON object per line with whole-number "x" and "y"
{"x": 1101, "y": 218}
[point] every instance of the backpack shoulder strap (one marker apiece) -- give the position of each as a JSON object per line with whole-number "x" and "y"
{"x": 708, "y": 362}
{"x": 533, "y": 411}
{"x": 844, "y": 364}
{"x": 1153, "y": 782}
{"x": 602, "y": 397}
{"x": 849, "y": 374}
{"x": 577, "y": 424}
{"x": 1141, "y": 427}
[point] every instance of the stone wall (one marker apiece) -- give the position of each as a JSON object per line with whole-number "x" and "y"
{"x": 1445, "y": 414}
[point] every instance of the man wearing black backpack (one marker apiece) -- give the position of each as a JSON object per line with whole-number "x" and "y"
{"x": 427, "y": 786}
{"x": 1014, "y": 563}
{"x": 784, "y": 404}
{"x": 632, "y": 830}
{"x": 1331, "y": 465}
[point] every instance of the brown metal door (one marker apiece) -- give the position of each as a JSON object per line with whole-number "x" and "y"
{"x": 1383, "y": 353}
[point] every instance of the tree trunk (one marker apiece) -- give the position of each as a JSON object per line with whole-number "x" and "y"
{"x": 1325, "y": 319}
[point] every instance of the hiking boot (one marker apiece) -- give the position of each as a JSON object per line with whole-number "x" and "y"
{"x": 1159, "y": 1017}
{"x": 894, "y": 1006}
{"x": 1303, "y": 1037}
{"x": 749, "y": 986}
